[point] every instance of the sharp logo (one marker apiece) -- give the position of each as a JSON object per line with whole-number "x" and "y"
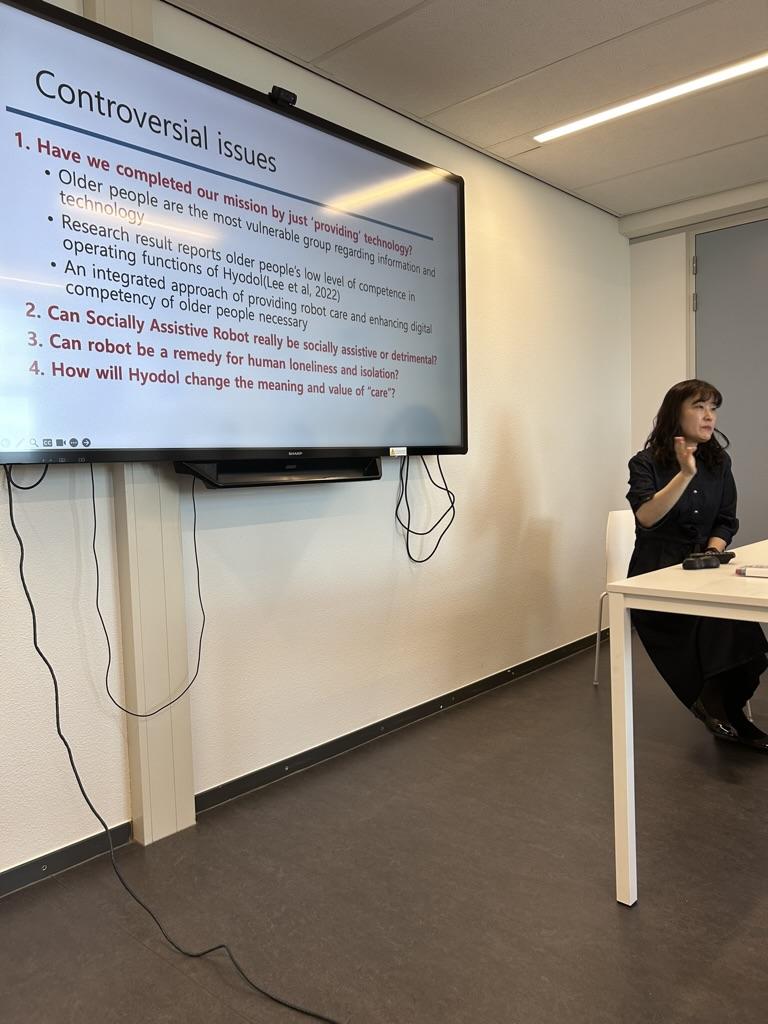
{"x": 295, "y": 453}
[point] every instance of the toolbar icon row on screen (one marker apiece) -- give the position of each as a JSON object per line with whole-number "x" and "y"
{"x": 61, "y": 443}
{"x": 47, "y": 442}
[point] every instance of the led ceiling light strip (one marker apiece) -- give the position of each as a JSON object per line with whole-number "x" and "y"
{"x": 746, "y": 67}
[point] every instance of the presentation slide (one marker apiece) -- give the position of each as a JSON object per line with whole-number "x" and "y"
{"x": 183, "y": 269}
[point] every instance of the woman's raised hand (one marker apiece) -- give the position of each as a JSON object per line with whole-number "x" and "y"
{"x": 684, "y": 453}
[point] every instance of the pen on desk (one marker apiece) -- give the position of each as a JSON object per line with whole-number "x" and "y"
{"x": 752, "y": 570}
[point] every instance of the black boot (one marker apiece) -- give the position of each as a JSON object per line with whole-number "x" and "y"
{"x": 747, "y": 733}
{"x": 729, "y": 692}
{"x": 741, "y": 685}
{"x": 717, "y": 725}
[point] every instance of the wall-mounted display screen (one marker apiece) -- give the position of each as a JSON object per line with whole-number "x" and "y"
{"x": 189, "y": 271}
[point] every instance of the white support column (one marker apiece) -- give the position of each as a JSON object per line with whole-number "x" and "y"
{"x": 155, "y": 662}
{"x": 151, "y": 586}
{"x": 623, "y": 750}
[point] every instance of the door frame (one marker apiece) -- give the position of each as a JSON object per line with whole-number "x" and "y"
{"x": 719, "y": 224}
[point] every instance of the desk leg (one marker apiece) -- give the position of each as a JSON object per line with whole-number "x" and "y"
{"x": 623, "y": 751}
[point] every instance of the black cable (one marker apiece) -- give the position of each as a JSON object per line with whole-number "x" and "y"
{"x": 25, "y": 487}
{"x": 148, "y": 714}
{"x": 402, "y": 497}
{"x": 403, "y": 494}
{"x": 220, "y": 947}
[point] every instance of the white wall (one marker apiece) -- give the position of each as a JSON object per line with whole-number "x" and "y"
{"x": 40, "y": 807}
{"x": 660, "y": 316}
{"x": 317, "y": 622}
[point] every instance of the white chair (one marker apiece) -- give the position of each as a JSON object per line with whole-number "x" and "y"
{"x": 619, "y": 544}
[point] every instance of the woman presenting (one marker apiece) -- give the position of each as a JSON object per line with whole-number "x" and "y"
{"x": 682, "y": 492}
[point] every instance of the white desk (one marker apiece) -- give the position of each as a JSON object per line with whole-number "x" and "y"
{"x": 716, "y": 593}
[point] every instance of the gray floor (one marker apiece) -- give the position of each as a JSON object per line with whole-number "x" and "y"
{"x": 457, "y": 872}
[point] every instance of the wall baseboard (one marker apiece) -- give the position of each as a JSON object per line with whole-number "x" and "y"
{"x": 78, "y": 853}
{"x": 308, "y": 758}
{"x": 61, "y": 860}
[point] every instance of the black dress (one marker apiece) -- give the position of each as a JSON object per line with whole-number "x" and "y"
{"x": 689, "y": 649}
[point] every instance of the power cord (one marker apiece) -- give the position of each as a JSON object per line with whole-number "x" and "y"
{"x": 220, "y": 947}
{"x": 25, "y": 487}
{"x": 402, "y": 496}
{"x": 170, "y": 703}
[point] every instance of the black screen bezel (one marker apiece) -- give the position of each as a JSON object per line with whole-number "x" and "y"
{"x": 167, "y": 60}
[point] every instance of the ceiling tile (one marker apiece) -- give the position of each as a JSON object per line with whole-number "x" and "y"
{"x": 523, "y": 144}
{"x": 303, "y": 28}
{"x": 493, "y": 72}
{"x": 636, "y": 63}
{"x": 450, "y": 49}
{"x": 695, "y": 124}
{"x": 707, "y": 174}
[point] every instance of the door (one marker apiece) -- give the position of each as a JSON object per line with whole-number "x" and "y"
{"x": 732, "y": 353}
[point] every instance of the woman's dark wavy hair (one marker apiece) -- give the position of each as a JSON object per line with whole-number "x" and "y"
{"x": 666, "y": 426}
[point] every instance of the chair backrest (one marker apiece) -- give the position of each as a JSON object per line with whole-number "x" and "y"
{"x": 619, "y": 543}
